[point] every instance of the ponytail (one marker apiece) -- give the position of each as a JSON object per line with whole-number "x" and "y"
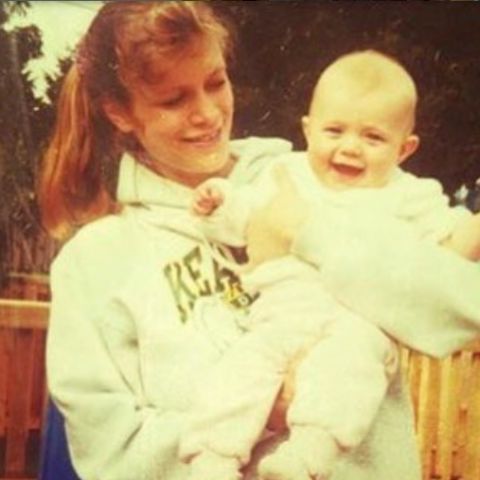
{"x": 72, "y": 189}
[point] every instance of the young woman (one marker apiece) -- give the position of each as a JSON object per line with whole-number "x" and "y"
{"x": 126, "y": 337}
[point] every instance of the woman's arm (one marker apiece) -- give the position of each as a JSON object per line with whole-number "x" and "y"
{"x": 114, "y": 433}
{"x": 465, "y": 239}
{"x": 421, "y": 294}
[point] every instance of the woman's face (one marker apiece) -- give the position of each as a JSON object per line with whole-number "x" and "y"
{"x": 184, "y": 121}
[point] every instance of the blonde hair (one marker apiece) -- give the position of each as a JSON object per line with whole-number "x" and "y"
{"x": 371, "y": 71}
{"x": 124, "y": 43}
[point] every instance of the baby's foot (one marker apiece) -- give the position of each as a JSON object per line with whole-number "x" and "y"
{"x": 283, "y": 465}
{"x": 309, "y": 454}
{"x": 210, "y": 466}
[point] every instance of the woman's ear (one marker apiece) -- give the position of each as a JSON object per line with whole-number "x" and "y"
{"x": 409, "y": 147}
{"x": 118, "y": 115}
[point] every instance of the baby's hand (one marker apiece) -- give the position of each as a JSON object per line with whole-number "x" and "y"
{"x": 206, "y": 199}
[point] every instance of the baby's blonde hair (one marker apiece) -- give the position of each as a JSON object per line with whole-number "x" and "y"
{"x": 370, "y": 71}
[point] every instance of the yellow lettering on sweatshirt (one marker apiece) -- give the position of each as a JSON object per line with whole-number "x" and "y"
{"x": 196, "y": 274}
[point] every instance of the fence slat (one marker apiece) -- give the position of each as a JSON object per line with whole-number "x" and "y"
{"x": 465, "y": 369}
{"x": 428, "y": 414}
{"x": 4, "y": 367}
{"x": 22, "y": 377}
{"x": 472, "y": 453}
{"x": 24, "y": 314}
{"x": 18, "y": 402}
{"x": 448, "y": 413}
{"x": 39, "y": 396}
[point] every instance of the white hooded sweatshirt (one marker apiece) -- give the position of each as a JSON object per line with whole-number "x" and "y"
{"x": 123, "y": 347}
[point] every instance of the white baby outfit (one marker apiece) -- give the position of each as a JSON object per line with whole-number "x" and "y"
{"x": 341, "y": 383}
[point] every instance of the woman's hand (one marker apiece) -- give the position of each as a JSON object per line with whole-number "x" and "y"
{"x": 272, "y": 228}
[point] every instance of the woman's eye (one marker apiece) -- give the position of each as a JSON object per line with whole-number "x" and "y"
{"x": 171, "y": 102}
{"x": 217, "y": 84}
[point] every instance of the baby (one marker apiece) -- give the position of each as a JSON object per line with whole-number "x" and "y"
{"x": 359, "y": 129}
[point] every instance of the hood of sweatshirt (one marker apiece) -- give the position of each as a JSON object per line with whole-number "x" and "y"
{"x": 164, "y": 203}
{"x": 138, "y": 185}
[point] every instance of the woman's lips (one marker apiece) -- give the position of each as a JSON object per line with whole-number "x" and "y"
{"x": 205, "y": 139}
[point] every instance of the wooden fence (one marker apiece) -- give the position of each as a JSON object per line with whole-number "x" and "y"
{"x": 446, "y": 397}
{"x": 22, "y": 385}
{"x": 446, "y": 400}
{"x": 23, "y": 325}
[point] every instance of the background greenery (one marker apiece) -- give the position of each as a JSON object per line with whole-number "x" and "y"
{"x": 281, "y": 48}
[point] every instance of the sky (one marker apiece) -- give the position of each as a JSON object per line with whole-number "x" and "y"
{"x": 62, "y": 24}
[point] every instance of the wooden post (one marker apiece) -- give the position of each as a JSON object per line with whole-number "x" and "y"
{"x": 22, "y": 343}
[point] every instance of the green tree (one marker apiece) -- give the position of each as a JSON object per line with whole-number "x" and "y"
{"x": 281, "y": 48}
{"x": 19, "y": 111}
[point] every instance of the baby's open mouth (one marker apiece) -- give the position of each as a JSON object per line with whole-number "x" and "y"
{"x": 352, "y": 171}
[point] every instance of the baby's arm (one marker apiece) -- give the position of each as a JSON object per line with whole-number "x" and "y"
{"x": 465, "y": 239}
{"x": 207, "y": 197}
{"x": 222, "y": 211}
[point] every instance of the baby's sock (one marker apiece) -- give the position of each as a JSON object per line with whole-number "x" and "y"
{"x": 211, "y": 466}
{"x": 308, "y": 454}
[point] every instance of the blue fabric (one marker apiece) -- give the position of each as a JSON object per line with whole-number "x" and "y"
{"x": 55, "y": 458}
{"x": 473, "y": 199}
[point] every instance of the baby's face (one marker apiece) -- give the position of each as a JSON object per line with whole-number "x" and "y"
{"x": 357, "y": 140}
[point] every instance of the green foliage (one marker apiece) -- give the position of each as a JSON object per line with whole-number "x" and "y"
{"x": 10, "y": 7}
{"x": 18, "y": 143}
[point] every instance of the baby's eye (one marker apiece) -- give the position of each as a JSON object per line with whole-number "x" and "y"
{"x": 375, "y": 137}
{"x": 333, "y": 131}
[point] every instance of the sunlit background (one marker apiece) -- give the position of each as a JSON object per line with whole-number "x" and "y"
{"x": 62, "y": 24}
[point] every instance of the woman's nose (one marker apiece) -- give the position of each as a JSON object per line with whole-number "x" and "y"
{"x": 204, "y": 110}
